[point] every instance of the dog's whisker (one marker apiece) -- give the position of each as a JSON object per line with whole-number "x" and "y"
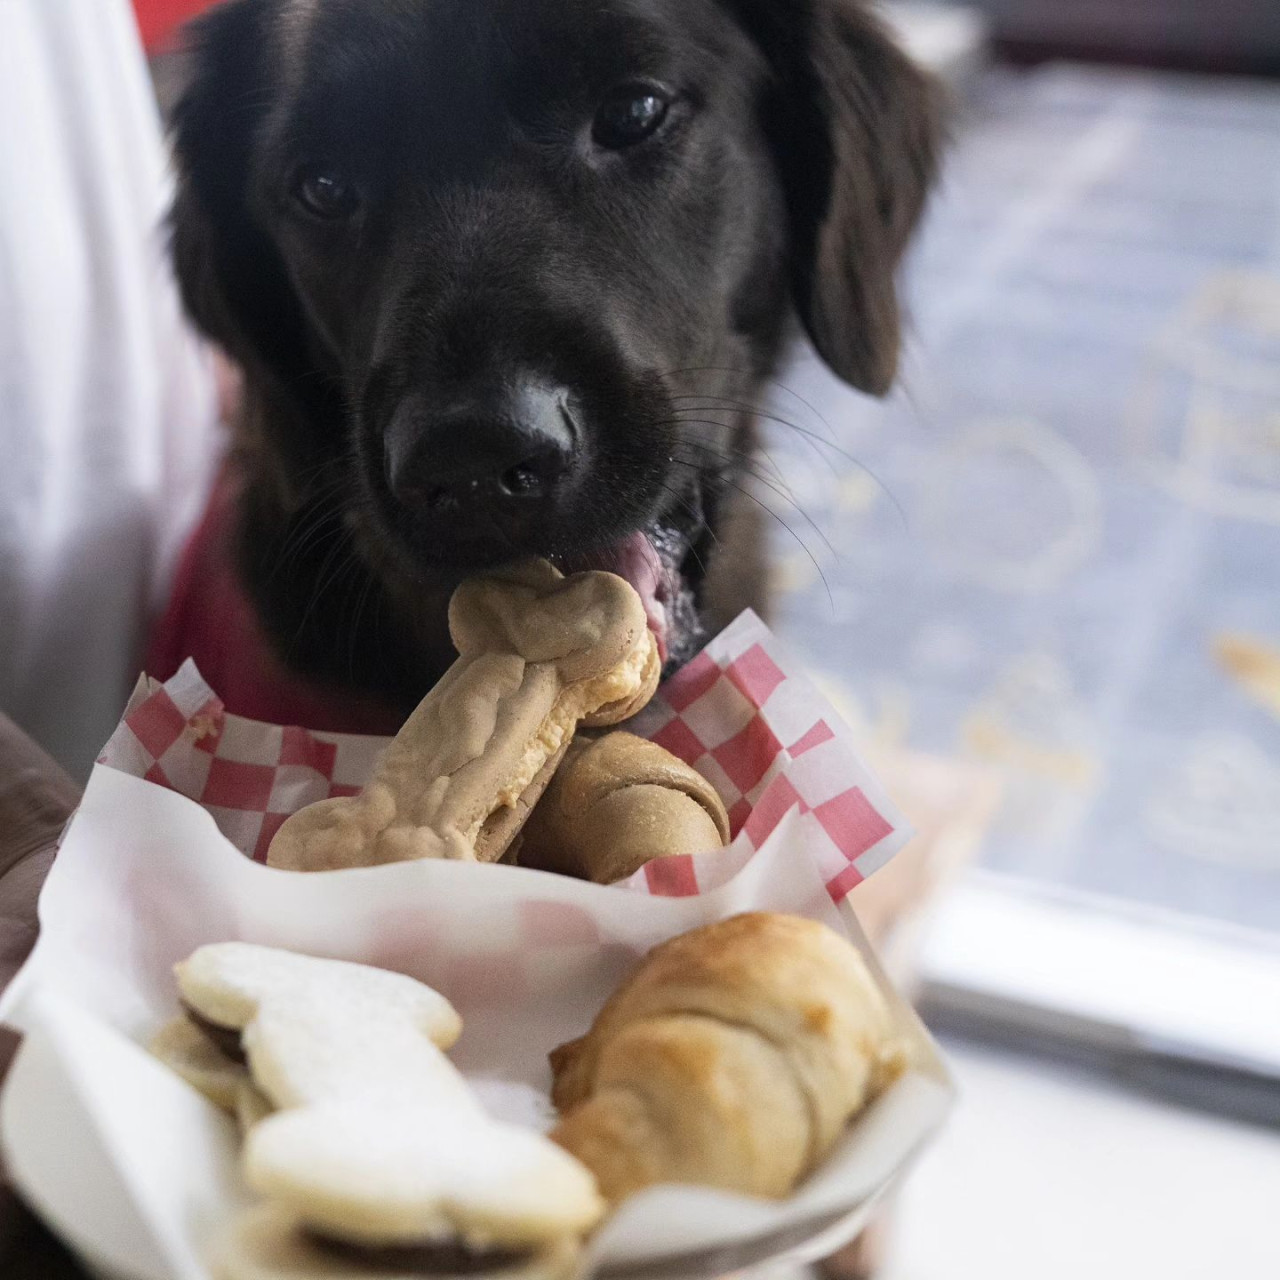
{"x": 693, "y": 551}
{"x": 307, "y": 473}
{"x": 821, "y": 457}
{"x": 731, "y": 456}
{"x": 787, "y": 497}
{"x": 774, "y": 382}
{"x": 761, "y": 414}
{"x": 761, "y": 477}
{"x": 341, "y": 585}
{"x": 684, "y": 502}
{"x": 370, "y": 584}
{"x": 696, "y": 465}
{"x": 755, "y": 454}
{"x": 295, "y": 549}
{"x": 311, "y": 534}
{"x": 311, "y": 529}
{"x": 814, "y": 440}
{"x": 743, "y": 462}
{"x": 323, "y": 581}
{"x": 804, "y": 546}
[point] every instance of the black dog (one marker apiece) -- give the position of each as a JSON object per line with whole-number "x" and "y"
{"x": 506, "y": 277}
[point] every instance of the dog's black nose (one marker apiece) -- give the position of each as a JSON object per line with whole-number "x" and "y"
{"x": 482, "y": 465}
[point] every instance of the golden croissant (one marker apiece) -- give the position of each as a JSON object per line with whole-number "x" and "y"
{"x": 734, "y": 1057}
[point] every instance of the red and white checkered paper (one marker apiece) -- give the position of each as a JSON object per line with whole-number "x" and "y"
{"x": 742, "y": 713}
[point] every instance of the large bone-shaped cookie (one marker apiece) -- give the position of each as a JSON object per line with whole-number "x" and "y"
{"x": 539, "y": 654}
{"x": 378, "y": 1140}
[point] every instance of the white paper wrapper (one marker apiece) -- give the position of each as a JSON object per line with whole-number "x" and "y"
{"x": 138, "y": 1171}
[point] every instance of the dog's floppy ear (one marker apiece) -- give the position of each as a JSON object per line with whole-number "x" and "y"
{"x": 854, "y": 124}
{"x": 232, "y": 278}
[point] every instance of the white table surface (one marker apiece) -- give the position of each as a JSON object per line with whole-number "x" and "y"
{"x": 1044, "y": 1174}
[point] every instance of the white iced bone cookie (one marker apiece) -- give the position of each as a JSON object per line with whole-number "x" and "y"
{"x": 378, "y": 1139}
{"x": 266, "y": 1243}
{"x": 227, "y": 982}
{"x": 380, "y": 1175}
{"x": 317, "y": 1030}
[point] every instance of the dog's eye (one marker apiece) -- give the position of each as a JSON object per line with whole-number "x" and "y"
{"x": 630, "y": 115}
{"x": 325, "y": 194}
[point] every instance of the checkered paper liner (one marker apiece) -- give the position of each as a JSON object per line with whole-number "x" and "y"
{"x": 742, "y": 713}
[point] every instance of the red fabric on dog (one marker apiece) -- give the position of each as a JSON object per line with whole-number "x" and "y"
{"x": 158, "y": 20}
{"x": 210, "y": 619}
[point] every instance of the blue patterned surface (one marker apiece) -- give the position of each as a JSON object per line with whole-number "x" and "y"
{"x": 1077, "y": 491}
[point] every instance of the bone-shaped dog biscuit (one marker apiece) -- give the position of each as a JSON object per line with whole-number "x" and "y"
{"x": 226, "y": 984}
{"x": 377, "y": 1138}
{"x": 414, "y": 1174}
{"x": 539, "y": 654}
{"x": 617, "y": 803}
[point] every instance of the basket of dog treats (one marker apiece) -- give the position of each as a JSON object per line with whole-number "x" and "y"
{"x": 563, "y": 980}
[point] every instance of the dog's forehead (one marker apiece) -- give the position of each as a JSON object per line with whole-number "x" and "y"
{"x": 449, "y": 34}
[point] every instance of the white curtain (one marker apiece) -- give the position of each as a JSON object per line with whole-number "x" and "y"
{"x": 107, "y": 402}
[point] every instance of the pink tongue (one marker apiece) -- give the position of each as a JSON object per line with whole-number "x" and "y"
{"x": 637, "y": 562}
